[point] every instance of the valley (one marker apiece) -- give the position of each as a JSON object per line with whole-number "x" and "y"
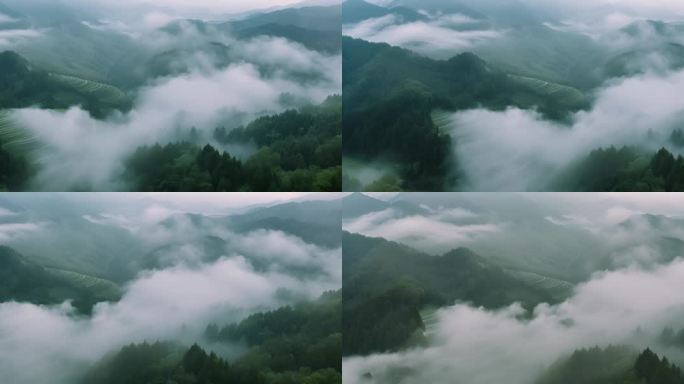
{"x": 82, "y": 83}
{"x": 437, "y": 87}
{"x": 235, "y": 288}
{"x": 520, "y": 288}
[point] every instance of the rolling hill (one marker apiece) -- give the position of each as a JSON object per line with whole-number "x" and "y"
{"x": 386, "y": 285}
{"x": 24, "y": 281}
{"x": 321, "y": 18}
{"x": 24, "y": 85}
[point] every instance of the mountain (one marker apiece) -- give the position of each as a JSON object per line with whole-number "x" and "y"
{"x": 439, "y": 6}
{"x": 390, "y": 93}
{"x": 612, "y": 365}
{"x": 322, "y": 41}
{"x": 24, "y": 281}
{"x": 103, "y": 250}
{"x": 354, "y": 11}
{"x": 660, "y": 56}
{"x": 387, "y": 284}
{"x": 313, "y": 18}
{"x": 11, "y": 19}
{"x": 24, "y": 85}
{"x": 291, "y": 344}
{"x": 359, "y": 204}
{"x": 549, "y": 54}
{"x": 316, "y": 222}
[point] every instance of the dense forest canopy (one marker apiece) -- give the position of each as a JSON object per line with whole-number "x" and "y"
{"x": 200, "y": 288}
{"x": 513, "y": 287}
{"x": 82, "y": 90}
{"x": 285, "y": 346}
{"x": 485, "y": 96}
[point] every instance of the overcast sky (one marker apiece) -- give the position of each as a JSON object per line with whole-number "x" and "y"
{"x": 231, "y": 6}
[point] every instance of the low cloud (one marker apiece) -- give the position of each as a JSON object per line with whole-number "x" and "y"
{"x": 83, "y": 151}
{"x": 9, "y": 231}
{"x": 629, "y": 306}
{"x": 175, "y": 298}
{"x": 52, "y": 344}
{"x": 436, "y": 233}
{"x": 442, "y": 36}
{"x": 12, "y": 37}
{"x": 517, "y": 150}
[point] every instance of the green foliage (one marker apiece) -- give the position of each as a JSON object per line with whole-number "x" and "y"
{"x": 22, "y": 280}
{"x": 625, "y": 170}
{"x": 14, "y": 171}
{"x": 612, "y": 365}
{"x": 592, "y": 366}
{"x": 21, "y": 85}
{"x": 403, "y": 128}
{"x": 291, "y": 338}
{"x": 385, "y": 285}
{"x": 389, "y": 94}
{"x": 298, "y": 151}
{"x": 291, "y": 345}
{"x": 672, "y": 338}
{"x": 652, "y": 370}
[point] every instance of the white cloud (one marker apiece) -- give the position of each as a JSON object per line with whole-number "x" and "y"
{"x": 6, "y": 18}
{"x": 517, "y": 150}
{"x": 171, "y": 304}
{"x": 84, "y": 151}
{"x": 501, "y": 346}
{"x": 437, "y": 37}
{"x": 10, "y": 231}
{"x": 10, "y": 37}
{"x": 435, "y": 233}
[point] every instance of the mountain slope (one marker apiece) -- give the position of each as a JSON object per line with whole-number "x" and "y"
{"x": 316, "y": 18}
{"x": 23, "y": 85}
{"x": 387, "y": 284}
{"x": 24, "y": 281}
{"x": 354, "y": 11}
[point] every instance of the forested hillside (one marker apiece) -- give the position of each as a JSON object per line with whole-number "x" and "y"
{"x": 390, "y": 93}
{"x": 297, "y": 150}
{"x": 386, "y": 285}
{"x": 290, "y": 345}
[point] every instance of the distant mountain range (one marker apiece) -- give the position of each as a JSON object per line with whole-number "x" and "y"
{"x": 386, "y": 286}
{"x": 24, "y": 281}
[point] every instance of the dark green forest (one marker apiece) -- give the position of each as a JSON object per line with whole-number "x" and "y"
{"x": 290, "y": 345}
{"x": 612, "y": 365}
{"x": 626, "y": 169}
{"x": 297, "y": 151}
{"x": 386, "y": 284}
{"x": 14, "y": 170}
{"x": 389, "y": 94}
{"x": 23, "y": 280}
{"x": 23, "y": 85}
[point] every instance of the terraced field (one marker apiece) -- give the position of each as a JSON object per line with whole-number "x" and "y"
{"x": 559, "y": 289}
{"x": 442, "y": 119}
{"x": 565, "y": 95}
{"x": 366, "y": 173}
{"x": 430, "y": 320}
{"x": 99, "y": 288}
{"x": 104, "y": 92}
{"x": 15, "y": 138}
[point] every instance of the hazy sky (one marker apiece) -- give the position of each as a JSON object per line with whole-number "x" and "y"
{"x": 223, "y": 6}
{"x": 232, "y": 5}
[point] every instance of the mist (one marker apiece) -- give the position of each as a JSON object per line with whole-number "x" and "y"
{"x": 438, "y": 37}
{"x": 174, "y": 300}
{"x": 517, "y": 150}
{"x": 627, "y": 298}
{"x": 625, "y": 307}
{"x": 81, "y": 152}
